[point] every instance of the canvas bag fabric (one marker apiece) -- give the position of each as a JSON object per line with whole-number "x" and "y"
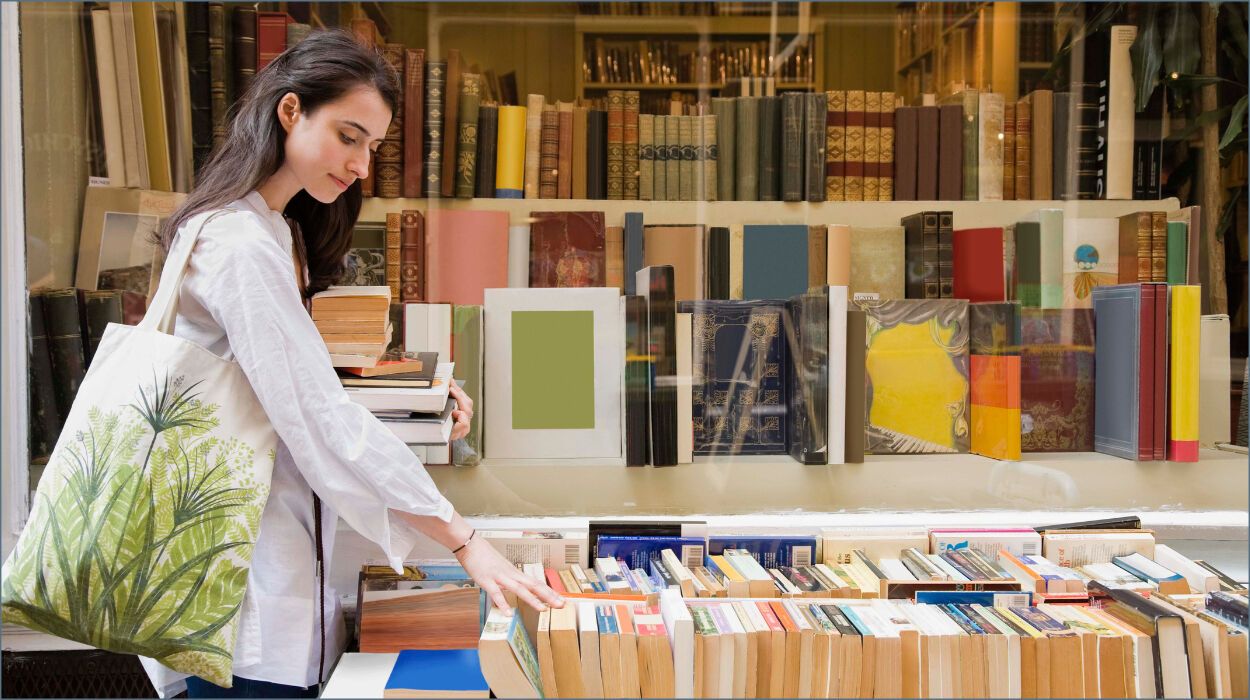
{"x": 141, "y": 531}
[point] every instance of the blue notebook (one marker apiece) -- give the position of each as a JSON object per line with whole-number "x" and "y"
{"x": 437, "y": 673}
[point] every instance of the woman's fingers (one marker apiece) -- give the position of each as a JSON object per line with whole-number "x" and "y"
{"x": 496, "y": 595}
{"x": 463, "y": 402}
{"x": 461, "y": 426}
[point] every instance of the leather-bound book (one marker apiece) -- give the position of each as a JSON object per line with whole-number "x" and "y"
{"x": 724, "y": 109}
{"x": 549, "y": 154}
{"x": 270, "y": 36}
{"x": 411, "y": 257}
{"x": 564, "y": 152}
{"x": 580, "y": 115}
{"x": 394, "y": 244}
{"x": 872, "y": 146}
{"x": 487, "y": 143}
{"x": 1063, "y": 145}
{"x": 62, "y": 319}
{"x": 905, "y": 152}
{"x": 717, "y": 257}
{"x": 466, "y": 140}
{"x": 99, "y": 308}
{"x": 390, "y": 156}
{"x": 567, "y": 249}
{"x": 770, "y": 129}
{"x": 854, "y": 182}
{"x": 243, "y": 22}
{"x": 672, "y": 162}
{"x": 1136, "y": 231}
{"x": 835, "y": 146}
{"x": 435, "y": 89}
{"x": 1009, "y": 150}
{"x": 414, "y": 123}
{"x": 199, "y": 80}
{"x": 616, "y": 144}
{"x": 927, "y": 153}
{"x": 217, "y": 71}
{"x": 950, "y": 176}
{"x": 792, "y": 137}
{"x": 816, "y": 105}
{"x": 1158, "y": 246}
{"x": 1024, "y": 149}
{"x": 747, "y": 149}
{"x": 596, "y": 154}
{"x": 1057, "y": 380}
{"x": 629, "y": 145}
{"x": 946, "y": 255}
{"x": 1042, "y": 138}
{"x": 885, "y": 160}
{"x": 990, "y": 148}
{"x": 533, "y": 137}
{"x": 45, "y": 419}
{"x": 451, "y": 122}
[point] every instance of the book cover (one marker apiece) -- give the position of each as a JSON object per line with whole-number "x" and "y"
{"x": 468, "y": 352}
{"x": 872, "y": 146}
{"x": 660, "y": 185}
{"x": 411, "y": 256}
{"x": 393, "y": 246}
{"x": 839, "y": 374}
{"x": 629, "y": 144}
{"x": 1063, "y": 144}
{"x": 435, "y": 95}
{"x": 581, "y": 116}
{"x": 633, "y": 249}
{"x": 533, "y": 137}
{"x": 1009, "y": 150}
{"x": 646, "y": 156}
{"x": 549, "y": 154}
{"x": 945, "y": 254}
{"x": 878, "y": 262}
{"x": 1123, "y": 400}
{"x": 717, "y": 257}
{"x": 1042, "y": 139}
{"x": 466, "y": 252}
{"x": 681, "y": 247}
{"x": 928, "y": 155}
{"x": 1178, "y": 252}
{"x": 950, "y": 175}
{"x": 567, "y": 249}
{"x": 854, "y": 171}
{"x": 725, "y": 111}
{"x": 596, "y": 154}
{"x": 916, "y": 362}
{"x": 774, "y": 261}
{"x": 1024, "y": 148}
{"x": 739, "y": 363}
{"x": 885, "y": 161}
{"x": 856, "y": 384}
{"x": 1158, "y": 246}
{"x": 614, "y": 254}
{"x": 1057, "y": 380}
{"x": 437, "y": 672}
{"x": 835, "y": 146}
{"x": 487, "y": 146}
{"x": 990, "y": 122}
{"x": 792, "y": 137}
{"x": 708, "y": 155}
{"x": 616, "y": 144}
{"x": 747, "y": 149}
{"x": 637, "y": 382}
{"x": 673, "y": 159}
{"x": 1091, "y": 249}
{"x": 978, "y": 254}
{"x": 994, "y": 348}
{"x": 770, "y": 139}
{"x": 906, "y": 145}
{"x": 414, "y": 123}
{"x": 62, "y": 320}
{"x": 389, "y": 159}
{"x": 467, "y": 135}
{"x": 1135, "y": 248}
{"x": 686, "y": 137}
{"x": 770, "y": 551}
{"x": 510, "y": 154}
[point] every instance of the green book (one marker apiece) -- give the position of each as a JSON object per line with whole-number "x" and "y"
{"x": 747, "y": 149}
{"x": 466, "y": 137}
{"x": 466, "y": 329}
{"x": 1028, "y": 263}
{"x": 1178, "y": 252}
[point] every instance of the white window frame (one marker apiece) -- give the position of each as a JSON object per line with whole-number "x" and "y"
{"x": 14, "y": 454}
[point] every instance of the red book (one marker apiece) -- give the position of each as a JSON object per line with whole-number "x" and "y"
{"x": 567, "y": 249}
{"x": 1146, "y": 371}
{"x": 466, "y": 253}
{"x": 554, "y": 581}
{"x": 1161, "y": 371}
{"x": 414, "y": 122}
{"x": 978, "y": 256}
{"x": 270, "y": 36}
{"x": 411, "y": 257}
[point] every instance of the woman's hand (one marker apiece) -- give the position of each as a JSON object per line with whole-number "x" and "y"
{"x": 494, "y": 574}
{"x": 463, "y": 415}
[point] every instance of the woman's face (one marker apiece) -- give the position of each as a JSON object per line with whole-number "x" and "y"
{"x": 329, "y": 149}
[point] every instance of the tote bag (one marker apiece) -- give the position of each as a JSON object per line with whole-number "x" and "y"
{"x": 141, "y": 532}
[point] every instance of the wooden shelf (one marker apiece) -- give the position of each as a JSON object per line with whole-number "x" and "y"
{"x": 674, "y": 25}
{"x": 736, "y": 213}
{"x": 685, "y": 86}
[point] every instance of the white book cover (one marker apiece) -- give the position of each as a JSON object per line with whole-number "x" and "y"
{"x": 1214, "y": 377}
{"x": 429, "y": 400}
{"x": 990, "y": 147}
{"x": 1073, "y": 549}
{"x": 1019, "y": 542}
{"x": 895, "y": 570}
{"x": 1120, "y": 112}
{"x": 837, "y": 374}
{"x": 110, "y": 109}
{"x": 837, "y": 543}
{"x": 1091, "y": 258}
{"x": 554, "y": 363}
{"x": 680, "y": 628}
{"x": 553, "y": 549}
{"x": 427, "y": 328}
{"x": 588, "y": 636}
{"x": 519, "y": 256}
{"x": 685, "y": 397}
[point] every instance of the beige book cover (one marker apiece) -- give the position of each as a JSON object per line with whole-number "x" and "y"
{"x": 151, "y": 95}
{"x": 681, "y": 247}
{"x": 877, "y": 263}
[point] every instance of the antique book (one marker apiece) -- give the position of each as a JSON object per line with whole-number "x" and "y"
{"x": 1135, "y": 248}
{"x": 646, "y": 156}
{"x": 467, "y": 135}
{"x": 1158, "y": 246}
{"x": 1090, "y": 259}
{"x": 872, "y": 146}
{"x": 854, "y": 171}
{"x": 978, "y": 255}
{"x": 1183, "y": 366}
{"x": 950, "y": 176}
{"x": 629, "y": 140}
{"x": 466, "y": 252}
{"x": 906, "y": 145}
{"x": 393, "y": 244}
{"x": 908, "y": 339}
{"x": 680, "y": 247}
{"x": 125, "y": 61}
{"x": 549, "y": 154}
{"x": 1042, "y": 139}
{"x": 633, "y": 247}
{"x": 808, "y": 376}
{"x": 614, "y": 255}
{"x": 709, "y": 154}
{"x": 740, "y": 364}
{"x": 673, "y": 158}
{"x": 1009, "y": 150}
{"x": 414, "y": 123}
{"x": 660, "y": 176}
{"x": 774, "y": 261}
{"x": 1178, "y": 249}
{"x": 1056, "y": 380}
{"x": 792, "y": 138}
{"x": 878, "y": 262}
{"x": 946, "y": 255}
{"x": 99, "y": 309}
{"x": 1063, "y": 144}
{"x": 817, "y": 256}
{"x": 468, "y": 352}
{"x": 656, "y": 286}
{"x": 885, "y": 172}
{"x": 389, "y": 159}
{"x": 637, "y": 382}
{"x": 686, "y": 190}
{"x": 835, "y": 146}
{"x": 770, "y": 136}
{"x": 45, "y": 416}
{"x": 596, "y": 154}
{"x": 243, "y": 36}
{"x": 580, "y": 120}
{"x": 1089, "y": 92}
{"x": 556, "y": 360}
{"x": 146, "y": 47}
{"x": 717, "y": 258}
{"x": 533, "y": 138}
{"x": 994, "y": 378}
{"x": 1124, "y": 381}
{"x": 435, "y": 95}
{"x": 198, "y": 79}
{"x": 487, "y": 145}
{"x": 724, "y": 109}
{"x": 61, "y": 318}
{"x": 411, "y": 257}
{"x": 814, "y": 147}
{"x": 1192, "y": 216}
{"x": 923, "y": 255}
{"x": 856, "y": 383}
{"x": 451, "y": 121}
{"x": 990, "y": 147}
{"x": 567, "y": 249}
{"x": 970, "y": 102}
{"x": 564, "y": 150}
{"x": 1024, "y": 148}
{"x": 217, "y": 73}
{"x": 747, "y": 149}
{"x": 928, "y": 153}
{"x": 510, "y": 154}
{"x": 616, "y": 144}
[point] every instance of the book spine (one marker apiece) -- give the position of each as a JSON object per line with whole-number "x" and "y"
{"x": 661, "y": 334}
{"x": 580, "y": 124}
{"x": 198, "y": 82}
{"x": 99, "y": 308}
{"x": 65, "y": 345}
{"x": 411, "y": 257}
{"x": 1145, "y": 247}
{"x": 1042, "y": 139}
{"x": 1009, "y": 150}
{"x": 616, "y": 144}
{"x": 596, "y": 154}
{"x": 946, "y": 255}
{"x": 950, "y": 177}
{"x": 1147, "y": 348}
{"x": 990, "y": 147}
{"x": 637, "y": 370}
{"x": 723, "y": 108}
{"x": 928, "y": 153}
{"x": 435, "y": 84}
{"x": 814, "y": 117}
{"x": 533, "y": 137}
{"x": 932, "y": 257}
{"x": 1177, "y": 252}
{"x": 394, "y": 243}
{"x": 414, "y": 122}
{"x": 1024, "y": 149}
{"x": 971, "y": 144}
{"x": 855, "y": 122}
{"x": 746, "y": 156}
{"x": 633, "y": 250}
{"x": 710, "y": 124}
{"x": 390, "y": 156}
{"x": 487, "y": 136}
{"x": 885, "y": 174}
{"x": 466, "y": 141}
{"x": 835, "y": 146}
{"x": 549, "y": 155}
{"x": 872, "y": 146}
{"x": 614, "y": 256}
{"x": 718, "y": 263}
{"x": 905, "y": 152}
{"x": 510, "y": 154}
{"x": 45, "y": 419}
{"x": 270, "y": 37}
{"x": 1158, "y": 246}
{"x": 629, "y": 141}
{"x": 1120, "y": 114}
{"x": 564, "y": 151}
{"x": 770, "y": 129}
{"x": 217, "y": 74}
{"x": 660, "y": 174}
{"x": 672, "y": 164}
{"x": 1063, "y": 144}
{"x": 913, "y": 232}
{"x": 1186, "y": 322}
{"x": 792, "y": 137}
{"x": 451, "y": 122}
{"x": 244, "y": 38}
{"x": 646, "y": 156}
{"x": 686, "y": 136}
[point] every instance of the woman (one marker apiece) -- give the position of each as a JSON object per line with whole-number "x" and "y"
{"x": 299, "y": 140}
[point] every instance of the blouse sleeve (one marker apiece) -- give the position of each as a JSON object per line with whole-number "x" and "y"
{"x": 245, "y": 280}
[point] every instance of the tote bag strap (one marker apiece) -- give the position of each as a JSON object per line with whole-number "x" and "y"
{"x": 164, "y": 307}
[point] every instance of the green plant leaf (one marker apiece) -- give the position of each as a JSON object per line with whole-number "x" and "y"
{"x": 1193, "y": 126}
{"x": 1180, "y": 42}
{"x": 1235, "y": 123}
{"x": 1147, "y": 53}
{"x": 1237, "y": 27}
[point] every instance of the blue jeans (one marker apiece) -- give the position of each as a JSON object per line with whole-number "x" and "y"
{"x": 246, "y": 688}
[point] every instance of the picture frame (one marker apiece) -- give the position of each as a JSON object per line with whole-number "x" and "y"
{"x": 116, "y": 235}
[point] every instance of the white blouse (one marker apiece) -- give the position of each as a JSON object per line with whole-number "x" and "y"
{"x": 240, "y": 300}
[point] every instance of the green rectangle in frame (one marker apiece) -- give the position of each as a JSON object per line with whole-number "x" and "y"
{"x": 553, "y": 370}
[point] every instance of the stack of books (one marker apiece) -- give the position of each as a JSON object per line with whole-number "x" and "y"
{"x": 408, "y": 393}
{"x": 354, "y": 323}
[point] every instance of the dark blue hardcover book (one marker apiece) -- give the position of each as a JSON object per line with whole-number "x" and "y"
{"x": 774, "y": 261}
{"x": 637, "y": 551}
{"x": 770, "y": 552}
{"x": 439, "y": 672}
{"x": 739, "y": 364}
{"x": 987, "y": 598}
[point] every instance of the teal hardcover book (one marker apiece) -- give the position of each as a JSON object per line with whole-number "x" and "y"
{"x": 774, "y": 261}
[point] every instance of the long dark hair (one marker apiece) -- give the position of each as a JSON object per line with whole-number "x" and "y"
{"x": 319, "y": 69}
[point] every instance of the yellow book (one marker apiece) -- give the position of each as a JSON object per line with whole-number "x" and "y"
{"x": 510, "y": 153}
{"x": 736, "y": 585}
{"x": 147, "y": 49}
{"x": 1186, "y": 321}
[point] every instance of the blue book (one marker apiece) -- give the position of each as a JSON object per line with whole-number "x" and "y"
{"x": 437, "y": 673}
{"x": 637, "y": 551}
{"x": 986, "y": 598}
{"x": 739, "y": 367}
{"x": 770, "y": 552}
{"x": 1118, "y": 371}
{"x": 774, "y": 261}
